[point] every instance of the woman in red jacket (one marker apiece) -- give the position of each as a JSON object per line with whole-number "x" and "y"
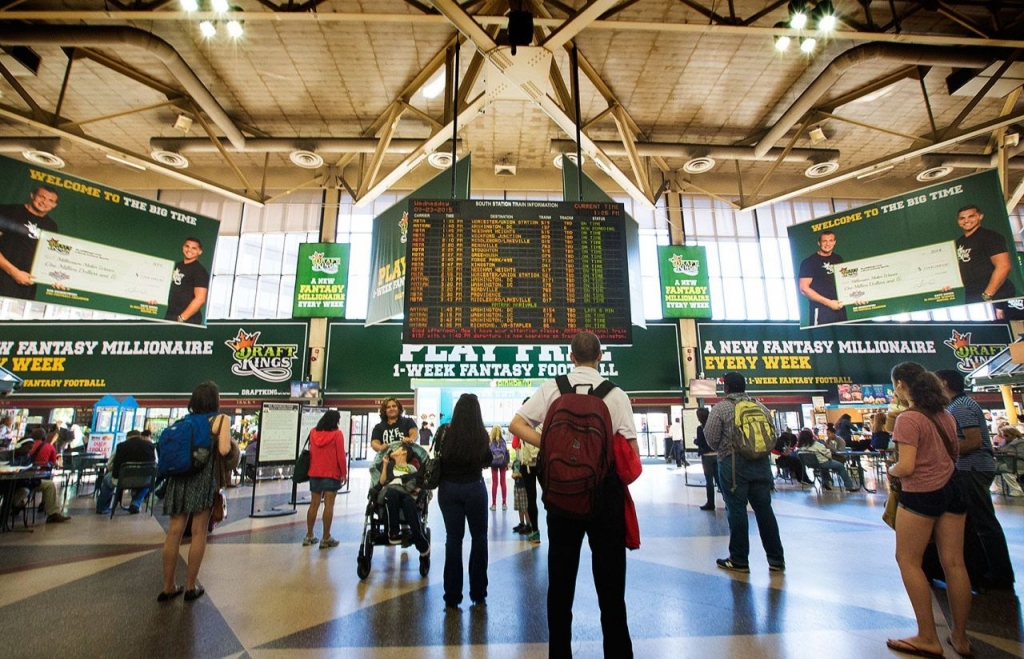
{"x": 328, "y": 471}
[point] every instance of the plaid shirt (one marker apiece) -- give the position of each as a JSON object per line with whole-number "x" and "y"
{"x": 721, "y": 425}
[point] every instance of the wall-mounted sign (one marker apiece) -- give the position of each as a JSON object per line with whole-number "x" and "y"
{"x": 684, "y": 281}
{"x": 321, "y": 280}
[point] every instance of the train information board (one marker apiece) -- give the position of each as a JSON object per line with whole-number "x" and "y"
{"x": 509, "y": 272}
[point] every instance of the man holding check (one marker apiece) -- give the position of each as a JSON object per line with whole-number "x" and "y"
{"x": 818, "y": 282}
{"x": 983, "y": 258}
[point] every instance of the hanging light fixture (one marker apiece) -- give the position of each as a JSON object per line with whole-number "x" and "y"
{"x": 207, "y": 29}
{"x": 782, "y": 41}
{"x": 798, "y": 14}
{"x": 824, "y": 16}
{"x": 807, "y": 45}
{"x": 189, "y": 5}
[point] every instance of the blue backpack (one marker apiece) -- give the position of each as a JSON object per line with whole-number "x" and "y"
{"x": 184, "y": 447}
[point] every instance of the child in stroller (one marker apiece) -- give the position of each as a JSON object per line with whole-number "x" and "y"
{"x": 400, "y": 483}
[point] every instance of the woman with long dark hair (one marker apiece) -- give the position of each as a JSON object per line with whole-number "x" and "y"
{"x": 932, "y": 504}
{"x": 328, "y": 471}
{"x": 465, "y": 452}
{"x": 393, "y": 426}
{"x": 193, "y": 495}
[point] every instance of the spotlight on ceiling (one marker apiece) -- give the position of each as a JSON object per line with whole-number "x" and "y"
{"x": 170, "y": 158}
{"x": 306, "y": 159}
{"x": 798, "y": 14}
{"x": 808, "y": 44}
{"x": 220, "y": 6}
{"x": 782, "y": 41}
{"x": 571, "y": 156}
{"x": 189, "y": 5}
{"x": 699, "y": 165}
{"x": 234, "y": 28}
{"x": 44, "y": 158}
{"x": 824, "y": 16}
{"x": 934, "y": 173}
{"x": 821, "y": 169}
{"x": 440, "y": 159}
{"x": 207, "y": 29}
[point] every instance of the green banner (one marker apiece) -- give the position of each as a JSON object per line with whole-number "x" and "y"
{"x": 247, "y": 359}
{"x": 944, "y": 245}
{"x": 321, "y": 278}
{"x": 780, "y": 357}
{"x": 387, "y": 260}
{"x": 684, "y": 282}
{"x": 69, "y": 241}
{"x": 371, "y": 361}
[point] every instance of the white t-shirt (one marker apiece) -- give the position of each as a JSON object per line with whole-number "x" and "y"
{"x": 535, "y": 409}
{"x": 675, "y": 431}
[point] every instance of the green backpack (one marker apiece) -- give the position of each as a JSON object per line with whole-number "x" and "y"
{"x": 755, "y": 435}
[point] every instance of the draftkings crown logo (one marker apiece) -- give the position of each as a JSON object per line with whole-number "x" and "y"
{"x": 681, "y": 266}
{"x": 269, "y": 362}
{"x": 971, "y": 356}
{"x": 55, "y": 245}
{"x": 403, "y": 224}
{"x": 326, "y": 264}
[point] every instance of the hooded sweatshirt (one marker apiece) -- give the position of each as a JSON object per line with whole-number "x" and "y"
{"x": 327, "y": 454}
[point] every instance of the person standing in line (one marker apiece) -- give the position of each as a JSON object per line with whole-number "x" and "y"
{"x": 20, "y": 229}
{"x": 932, "y": 506}
{"x": 818, "y": 282}
{"x": 462, "y": 497}
{"x": 194, "y": 495}
{"x": 394, "y": 426}
{"x": 528, "y": 472}
{"x": 675, "y": 431}
{"x": 499, "y": 464}
{"x": 190, "y": 283}
{"x": 743, "y": 481}
{"x": 606, "y": 532}
{"x": 426, "y": 434}
{"x": 708, "y": 459}
{"x": 328, "y": 472}
{"x": 976, "y": 468}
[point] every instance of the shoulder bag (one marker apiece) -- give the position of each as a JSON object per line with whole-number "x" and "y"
{"x": 301, "y": 472}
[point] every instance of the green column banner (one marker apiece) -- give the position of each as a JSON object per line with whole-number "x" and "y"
{"x": 780, "y": 357}
{"x": 387, "y": 260}
{"x": 945, "y": 245}
{"x": 244, "y": 358}
{"x": 69, "y": 241}
{"x": 684, "y": 282}
{"x": 321, "y": 278}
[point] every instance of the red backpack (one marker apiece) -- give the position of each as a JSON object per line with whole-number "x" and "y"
{"x": 576, "y": 450}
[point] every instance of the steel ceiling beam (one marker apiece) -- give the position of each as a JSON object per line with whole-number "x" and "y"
{"x": 583, "y": 19}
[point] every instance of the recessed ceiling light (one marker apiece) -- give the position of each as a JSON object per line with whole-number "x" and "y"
{"x": 440, "y": 159}
{"x": 699, "y": 165}
{"x": 821, "y": 169}
{"x": 170, "y": 158}
{"x": 306, "y": 159}
{"x": 934, "y": 173}
{"x": 44, "y": 158}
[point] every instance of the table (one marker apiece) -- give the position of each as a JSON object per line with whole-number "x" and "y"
{"x": 8, "y": 485}
{"x": 860, "y": 466}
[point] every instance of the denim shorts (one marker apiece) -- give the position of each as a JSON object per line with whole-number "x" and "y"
{"x": 947, "y": 499}
{"x": 324, "y": 484}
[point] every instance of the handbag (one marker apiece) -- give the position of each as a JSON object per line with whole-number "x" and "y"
{"x": 220, "y": 507}
{"x": 432, "y": 469}
{"x": 892, "y": 503}
{"x": 301, "y": 472}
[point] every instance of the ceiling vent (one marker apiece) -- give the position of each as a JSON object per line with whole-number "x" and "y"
{"x": 699, "y": 165}
{"x": 306, "y": 159}
{"x": 934, "y": 173}
{"x": 440, "y": 159}
{"x": 571, "y": 156}
{"x": 170, "y": 158}
{"x": 822, "y": 169}
{"x": 44, "y": 158}
{"x": 504, "y": 169}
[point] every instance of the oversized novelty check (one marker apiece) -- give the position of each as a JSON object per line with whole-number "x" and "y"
{"x": 83, "y": 265}
{"x": 908, "y": 272}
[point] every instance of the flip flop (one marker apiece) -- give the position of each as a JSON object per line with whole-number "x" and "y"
{"x": 969, "y": 653}
{"x": 908, "y": 648}
{"x": 163, "y": 597}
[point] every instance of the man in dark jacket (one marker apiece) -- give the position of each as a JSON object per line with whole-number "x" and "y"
{"x": 136, "y": 448}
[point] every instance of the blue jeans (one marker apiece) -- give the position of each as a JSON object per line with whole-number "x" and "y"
{"x": 461, "y": 503}
{"x": 839, "y": 468}
{"x": 107, "y": 487}
{"x": 753, "y": 485}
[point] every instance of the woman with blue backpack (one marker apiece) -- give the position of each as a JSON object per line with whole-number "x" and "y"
{"x": 194, "y": 455}
{"x": 499, "y": 464}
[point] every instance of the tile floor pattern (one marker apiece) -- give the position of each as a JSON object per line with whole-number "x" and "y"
{"x": 88, "y": 588}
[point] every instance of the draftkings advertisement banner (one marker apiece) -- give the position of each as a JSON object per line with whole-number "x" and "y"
{"x": 684, "y": 282}
{"x": 371, "y": 361}
{"x": 780, "y": 357}
{"x": 321, "y": 280}
{"x": 390, "y": 233}
{"x": 69, "y": 241}
{"x": 245, "y": 359}
{"x": 941, "y": 246}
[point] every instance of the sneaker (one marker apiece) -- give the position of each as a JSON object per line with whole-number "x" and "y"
{"x": 328, "y": 542}
{"x": 534, "y": 538}
{"x": 504, "y": 507}
{"x": 57, "y": 518}
{"x": 493, "y": 508}
{"x": 776, "y": 568}
{"x": 395, "y": 539}
{"x": 708, "y": 506}
{"x": 309, "y": 541}
{"x": 134, "y": 510}
{"x": 727, "y": 564}
{"x": 520, "y": 528}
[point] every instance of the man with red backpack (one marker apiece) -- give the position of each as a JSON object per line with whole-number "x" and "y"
{"x": 596, "y": 507}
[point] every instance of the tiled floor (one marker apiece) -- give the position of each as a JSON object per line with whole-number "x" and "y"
{"x": 88, "y": 588}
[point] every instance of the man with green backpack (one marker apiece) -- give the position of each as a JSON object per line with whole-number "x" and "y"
{"x": 740, "y": 430}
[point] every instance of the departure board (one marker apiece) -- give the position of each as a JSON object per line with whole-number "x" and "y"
{"x": 515, "y": 272}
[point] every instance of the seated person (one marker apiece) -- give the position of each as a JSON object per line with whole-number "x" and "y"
{"x": 880, "y": 439}
{"x": 789, "y": 460}
{"x": 27, "y": 453}
{"x": 136, "y": 447}
{"x": 399, "y": 494}
{"x": 1010, "y": 459}
{"x": 825, "y": 461}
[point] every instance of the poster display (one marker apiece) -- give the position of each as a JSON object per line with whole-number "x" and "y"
{"x": 77, "y": 243}
{"x": 390, "y": 233}
{"x": 321, "y": 280}
{"x": 684, "y": 281}
{"x": 945, "y": 245}
{"x": 279, "y": 432}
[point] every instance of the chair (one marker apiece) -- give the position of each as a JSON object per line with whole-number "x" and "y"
{"x": 810, "y": 461}
{"x": 87, "y": 464}
{"x": 134, "y": 475}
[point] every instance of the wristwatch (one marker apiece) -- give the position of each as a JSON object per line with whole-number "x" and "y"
{"x": 180, "y": 319}
{"x": 986, "y": 297}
